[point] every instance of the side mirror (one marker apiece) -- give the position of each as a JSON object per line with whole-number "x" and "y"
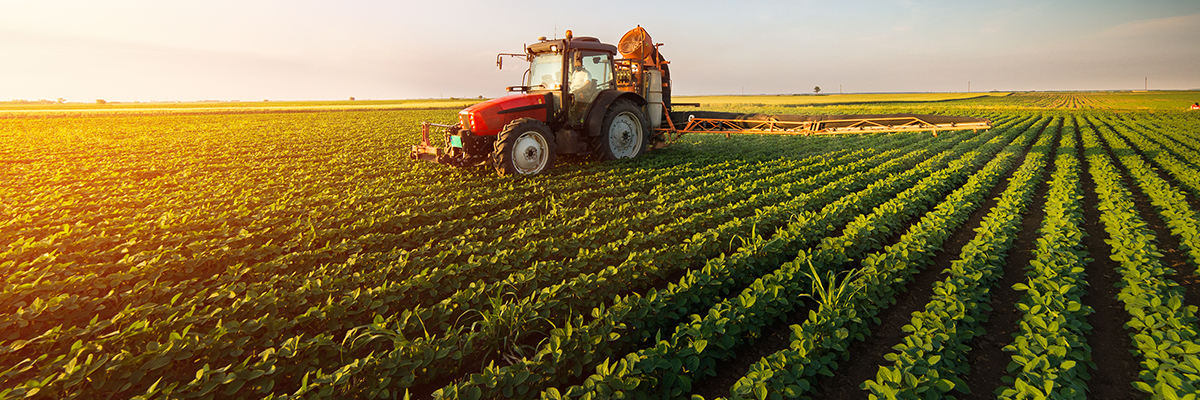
{"x": 500, "y": 58}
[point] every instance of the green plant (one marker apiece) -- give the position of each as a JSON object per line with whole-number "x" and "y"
{"x": 830, "y": 291}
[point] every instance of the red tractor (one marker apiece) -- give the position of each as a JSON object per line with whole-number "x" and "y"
{"x": 576, "y": 98}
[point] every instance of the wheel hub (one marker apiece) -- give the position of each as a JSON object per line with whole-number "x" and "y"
{"x": 529, "y": 153}
{"x": 624, "y": 136}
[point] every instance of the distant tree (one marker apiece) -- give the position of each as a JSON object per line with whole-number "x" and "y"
{"x": 351, "y": 98}
{"x": 60, "y": 100}
{"x": 817, "y": 90}
{"x": 100, "y": 101}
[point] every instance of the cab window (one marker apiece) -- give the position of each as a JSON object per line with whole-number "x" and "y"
{"x": 545, "y": 72}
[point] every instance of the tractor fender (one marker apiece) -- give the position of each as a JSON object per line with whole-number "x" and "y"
{"x": 595, "y": 115}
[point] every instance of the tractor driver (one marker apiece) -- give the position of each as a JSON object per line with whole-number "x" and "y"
{"x": 580, "y": 77}
{"x": 583, "y": 88}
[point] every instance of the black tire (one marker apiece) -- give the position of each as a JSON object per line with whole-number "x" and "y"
{"x": 624, "y": 133}
{"x": 524, "y": 147}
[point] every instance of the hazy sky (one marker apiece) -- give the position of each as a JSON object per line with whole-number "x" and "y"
{"x": 253, "y": 50}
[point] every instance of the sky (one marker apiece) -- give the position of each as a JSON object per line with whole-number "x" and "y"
{"x": 122, "y": 50}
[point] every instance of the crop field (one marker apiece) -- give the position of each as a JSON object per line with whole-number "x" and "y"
{"x": 295, "y": 251}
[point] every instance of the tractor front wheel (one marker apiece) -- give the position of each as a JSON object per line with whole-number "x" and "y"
{"x": 524, "y": 147}
{"x": 624, "y": 133}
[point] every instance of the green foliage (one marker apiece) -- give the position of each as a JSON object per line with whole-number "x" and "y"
{"x": 821, "y": 341}
{"x": 666, "y": 366}
{"x": 299, "y": 254}
{"x": 1052, "y": 357}
{"x": 930, "y": 361}
{"x": 1165, "y": 330}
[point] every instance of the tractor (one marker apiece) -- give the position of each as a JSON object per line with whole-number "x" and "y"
{"x": 576, "y": 98}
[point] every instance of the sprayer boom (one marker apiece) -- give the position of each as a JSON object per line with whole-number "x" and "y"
{"x": 734, "y": 123}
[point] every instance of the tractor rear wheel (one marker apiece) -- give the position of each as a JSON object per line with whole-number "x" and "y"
{"x": 624, "y": 133}
{"x": 524, "y": 147}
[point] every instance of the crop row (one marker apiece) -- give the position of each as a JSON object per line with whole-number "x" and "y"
{"x": 932, "y": 358}
{"x": 1171, "y": 203}
{"x": 1052, "y": 355}
{"x": 822, "y": 339}
{"x": 1182, "y": 168}
{"x": 1176, "y": 136}
{"x": 670, "y": 365}
{"x": 1165, "y": 329}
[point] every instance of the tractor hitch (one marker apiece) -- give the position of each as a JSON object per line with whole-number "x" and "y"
{"x": 426, "y": 151}
{"x": 454, "y": 153}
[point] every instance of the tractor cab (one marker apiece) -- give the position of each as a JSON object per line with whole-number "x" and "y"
{"x": 573, "y": 71}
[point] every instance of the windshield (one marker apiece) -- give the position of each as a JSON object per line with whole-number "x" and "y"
{"x": 545, "y": 71}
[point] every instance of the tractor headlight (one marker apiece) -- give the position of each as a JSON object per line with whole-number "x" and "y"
{"x": 477, "y": 123}
{"x": 464, "y": 120}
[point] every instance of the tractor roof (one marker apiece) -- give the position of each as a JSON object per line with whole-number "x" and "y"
{"x": 579, "y": 42}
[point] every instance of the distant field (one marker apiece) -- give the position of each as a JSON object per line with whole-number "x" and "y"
{"x": 1153, "y": 100}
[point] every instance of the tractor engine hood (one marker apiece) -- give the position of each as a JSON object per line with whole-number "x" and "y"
{"x": 489, "y": 117}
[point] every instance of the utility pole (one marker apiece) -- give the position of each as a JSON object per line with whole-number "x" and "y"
{"x": 839, "y": 88}
{"x": 968, "y": 86}
{"x": 1147, "y": 84}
